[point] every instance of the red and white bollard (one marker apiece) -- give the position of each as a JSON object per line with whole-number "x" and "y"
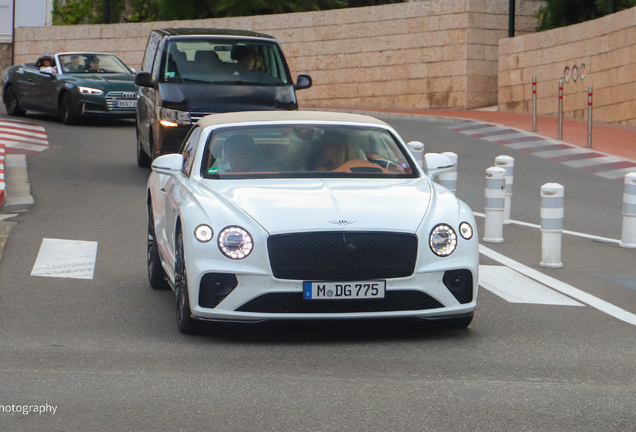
{"x": 628, "y": 235}
{"x": 507, "y": 163}
{"x": 449, "y": 179}
{"x": 551, "y": 224}
{"x": 494, "y": 209}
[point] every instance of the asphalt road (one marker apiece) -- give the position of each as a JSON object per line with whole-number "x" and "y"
{"x": 107, "y": 353}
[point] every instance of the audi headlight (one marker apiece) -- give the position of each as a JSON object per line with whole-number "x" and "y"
{"x": 203, "y": 233}
{"x": 172, "y": 118}
{"x": 466, "y": 230}
{"x": 235, "y": 243}
{"x": 443, "y": 240}
{"x": 89, "y": 90}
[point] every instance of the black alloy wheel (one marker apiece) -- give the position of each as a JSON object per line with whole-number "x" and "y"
{"x": 11, "y": 102}
{"x": 156, "y": 273}
{"x": 67, "y": 109}
{"x": 185, "y": 322}
{"x": 143, "y": 160}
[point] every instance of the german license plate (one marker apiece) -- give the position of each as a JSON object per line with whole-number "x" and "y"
{"x": 344, "y": 290}
{"x": 127, "y": 104}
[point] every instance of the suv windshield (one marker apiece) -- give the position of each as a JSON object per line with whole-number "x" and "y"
{"x": 92, "y": 63}
{"x": 304, "y": 151}
{"x": 224, "y": 61}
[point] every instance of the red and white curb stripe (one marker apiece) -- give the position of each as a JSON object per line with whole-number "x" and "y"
{"x": 23, "y": 138}
{"x": 18, "y": 137}
{"x": 2, "y": 185}
{"x": 603, "y": 165}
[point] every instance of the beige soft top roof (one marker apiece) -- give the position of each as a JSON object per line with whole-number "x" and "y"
{"x": 277, "y": 116}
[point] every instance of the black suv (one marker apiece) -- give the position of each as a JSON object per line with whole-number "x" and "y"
{"x": 189, "y": 73}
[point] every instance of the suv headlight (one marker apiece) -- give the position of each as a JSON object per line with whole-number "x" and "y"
{"x": 235, "y": 243}
{"x": 89, "y": 90}
{"x": 285, "y": 95}
{"x": 443, "y": 240}
{"x": 171, "y": 118}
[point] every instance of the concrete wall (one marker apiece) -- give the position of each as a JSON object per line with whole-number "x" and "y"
{"x": 607, "y": 46}
{"x": 415, "y": 55}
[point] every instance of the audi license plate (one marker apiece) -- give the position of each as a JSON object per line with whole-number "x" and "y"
{"x": 127, "y": 104}
{"x": 343, "y": 290}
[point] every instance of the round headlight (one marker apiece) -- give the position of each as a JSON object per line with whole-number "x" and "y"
{"x": 235, "y": 242}
{"x": 443, "y": 240}
{"x": 203, "y": 233}
{"x": 466, "y": 230}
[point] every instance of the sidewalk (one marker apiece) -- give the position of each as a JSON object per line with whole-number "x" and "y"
{"x": 614, "y": 140}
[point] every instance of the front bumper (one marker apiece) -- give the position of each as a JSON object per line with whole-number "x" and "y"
{"x": 106, "y": 105}
{"x": 443, "y": 303}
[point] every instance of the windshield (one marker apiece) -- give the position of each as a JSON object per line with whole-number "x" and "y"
{"x": 92, "y": 63}
{"x": 224, "y": 62}
{"x": 304, "y": 151}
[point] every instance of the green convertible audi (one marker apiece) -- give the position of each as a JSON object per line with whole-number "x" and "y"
{"x": 72, "y": 85}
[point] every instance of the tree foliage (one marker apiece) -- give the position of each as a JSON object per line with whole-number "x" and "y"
{"x": 561, "y": 13}
{"x": 66, "y": 12}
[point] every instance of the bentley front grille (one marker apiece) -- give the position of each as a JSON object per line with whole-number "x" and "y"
{"x": 342, "y": 256}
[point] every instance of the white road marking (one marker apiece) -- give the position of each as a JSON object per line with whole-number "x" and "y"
{"x": 66, "y": 259}
{"x": 574, "y": 233}
{"x": 479, "y": 131}
{"x": 562, "y": 287}
{"x": 528, "y": 144}
{"x": 504, "y": 137}
{"x": 564, "y": 152}
{"x": 592, "y": 161}
{"x": 517, "y": 288}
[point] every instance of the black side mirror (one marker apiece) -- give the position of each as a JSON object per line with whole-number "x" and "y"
{"x": 302, "y": 82}
{"x": 142, "y": 79}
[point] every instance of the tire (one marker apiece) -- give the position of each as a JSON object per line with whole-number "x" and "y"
{"x": 185, "y": 322}
{"x": 156, "y": 273}
{"x": 67, "y": 109}
{"x": 143, "y": 160}
{"x": 11, "y": 102}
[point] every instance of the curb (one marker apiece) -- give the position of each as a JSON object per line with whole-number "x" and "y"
{"x": 2, "y": 183}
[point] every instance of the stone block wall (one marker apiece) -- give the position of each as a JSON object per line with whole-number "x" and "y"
{"x": 5, "y": 57}
{"x": 415, "y": 55}
{"x": 607, "y": 47}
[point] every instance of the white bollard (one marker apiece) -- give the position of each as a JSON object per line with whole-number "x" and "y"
{"x": 449, "y": 179}
{"x": 628, "y": 236}
{"x": 507, "y": 163}
{"x": 417, "y": 149}
{"x": 494, "y": 209}
{"x": 551, "y": 224}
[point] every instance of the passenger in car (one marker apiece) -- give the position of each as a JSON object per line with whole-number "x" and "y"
{"x": 45, "y": 62}
{"x": 74, "y": 66}
{"x": 242, "y": 155}
{"x": 335, "y": 149}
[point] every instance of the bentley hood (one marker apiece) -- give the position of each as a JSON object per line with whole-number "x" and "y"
{"x": 329, "y": 204}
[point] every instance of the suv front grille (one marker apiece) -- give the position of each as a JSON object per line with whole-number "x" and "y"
{"x": 342, "y": 256}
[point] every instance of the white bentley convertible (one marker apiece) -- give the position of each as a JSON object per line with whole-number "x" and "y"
{"x": 295, "y": 215}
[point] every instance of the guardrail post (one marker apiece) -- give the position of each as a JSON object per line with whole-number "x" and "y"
{"x": 449, "y": 179}
{"x": 628, "y": 235}
{"x": 534, "y": 103}
{"x": 507, "y": 163}
{"x": 551, "y": 224}
{"x": 560, "y": 109}
{"x": 589, "y": 117}
{"x": 494, "y": 209}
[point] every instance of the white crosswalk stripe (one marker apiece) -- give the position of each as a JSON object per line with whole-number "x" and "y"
{"x": 66, "y": 259}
